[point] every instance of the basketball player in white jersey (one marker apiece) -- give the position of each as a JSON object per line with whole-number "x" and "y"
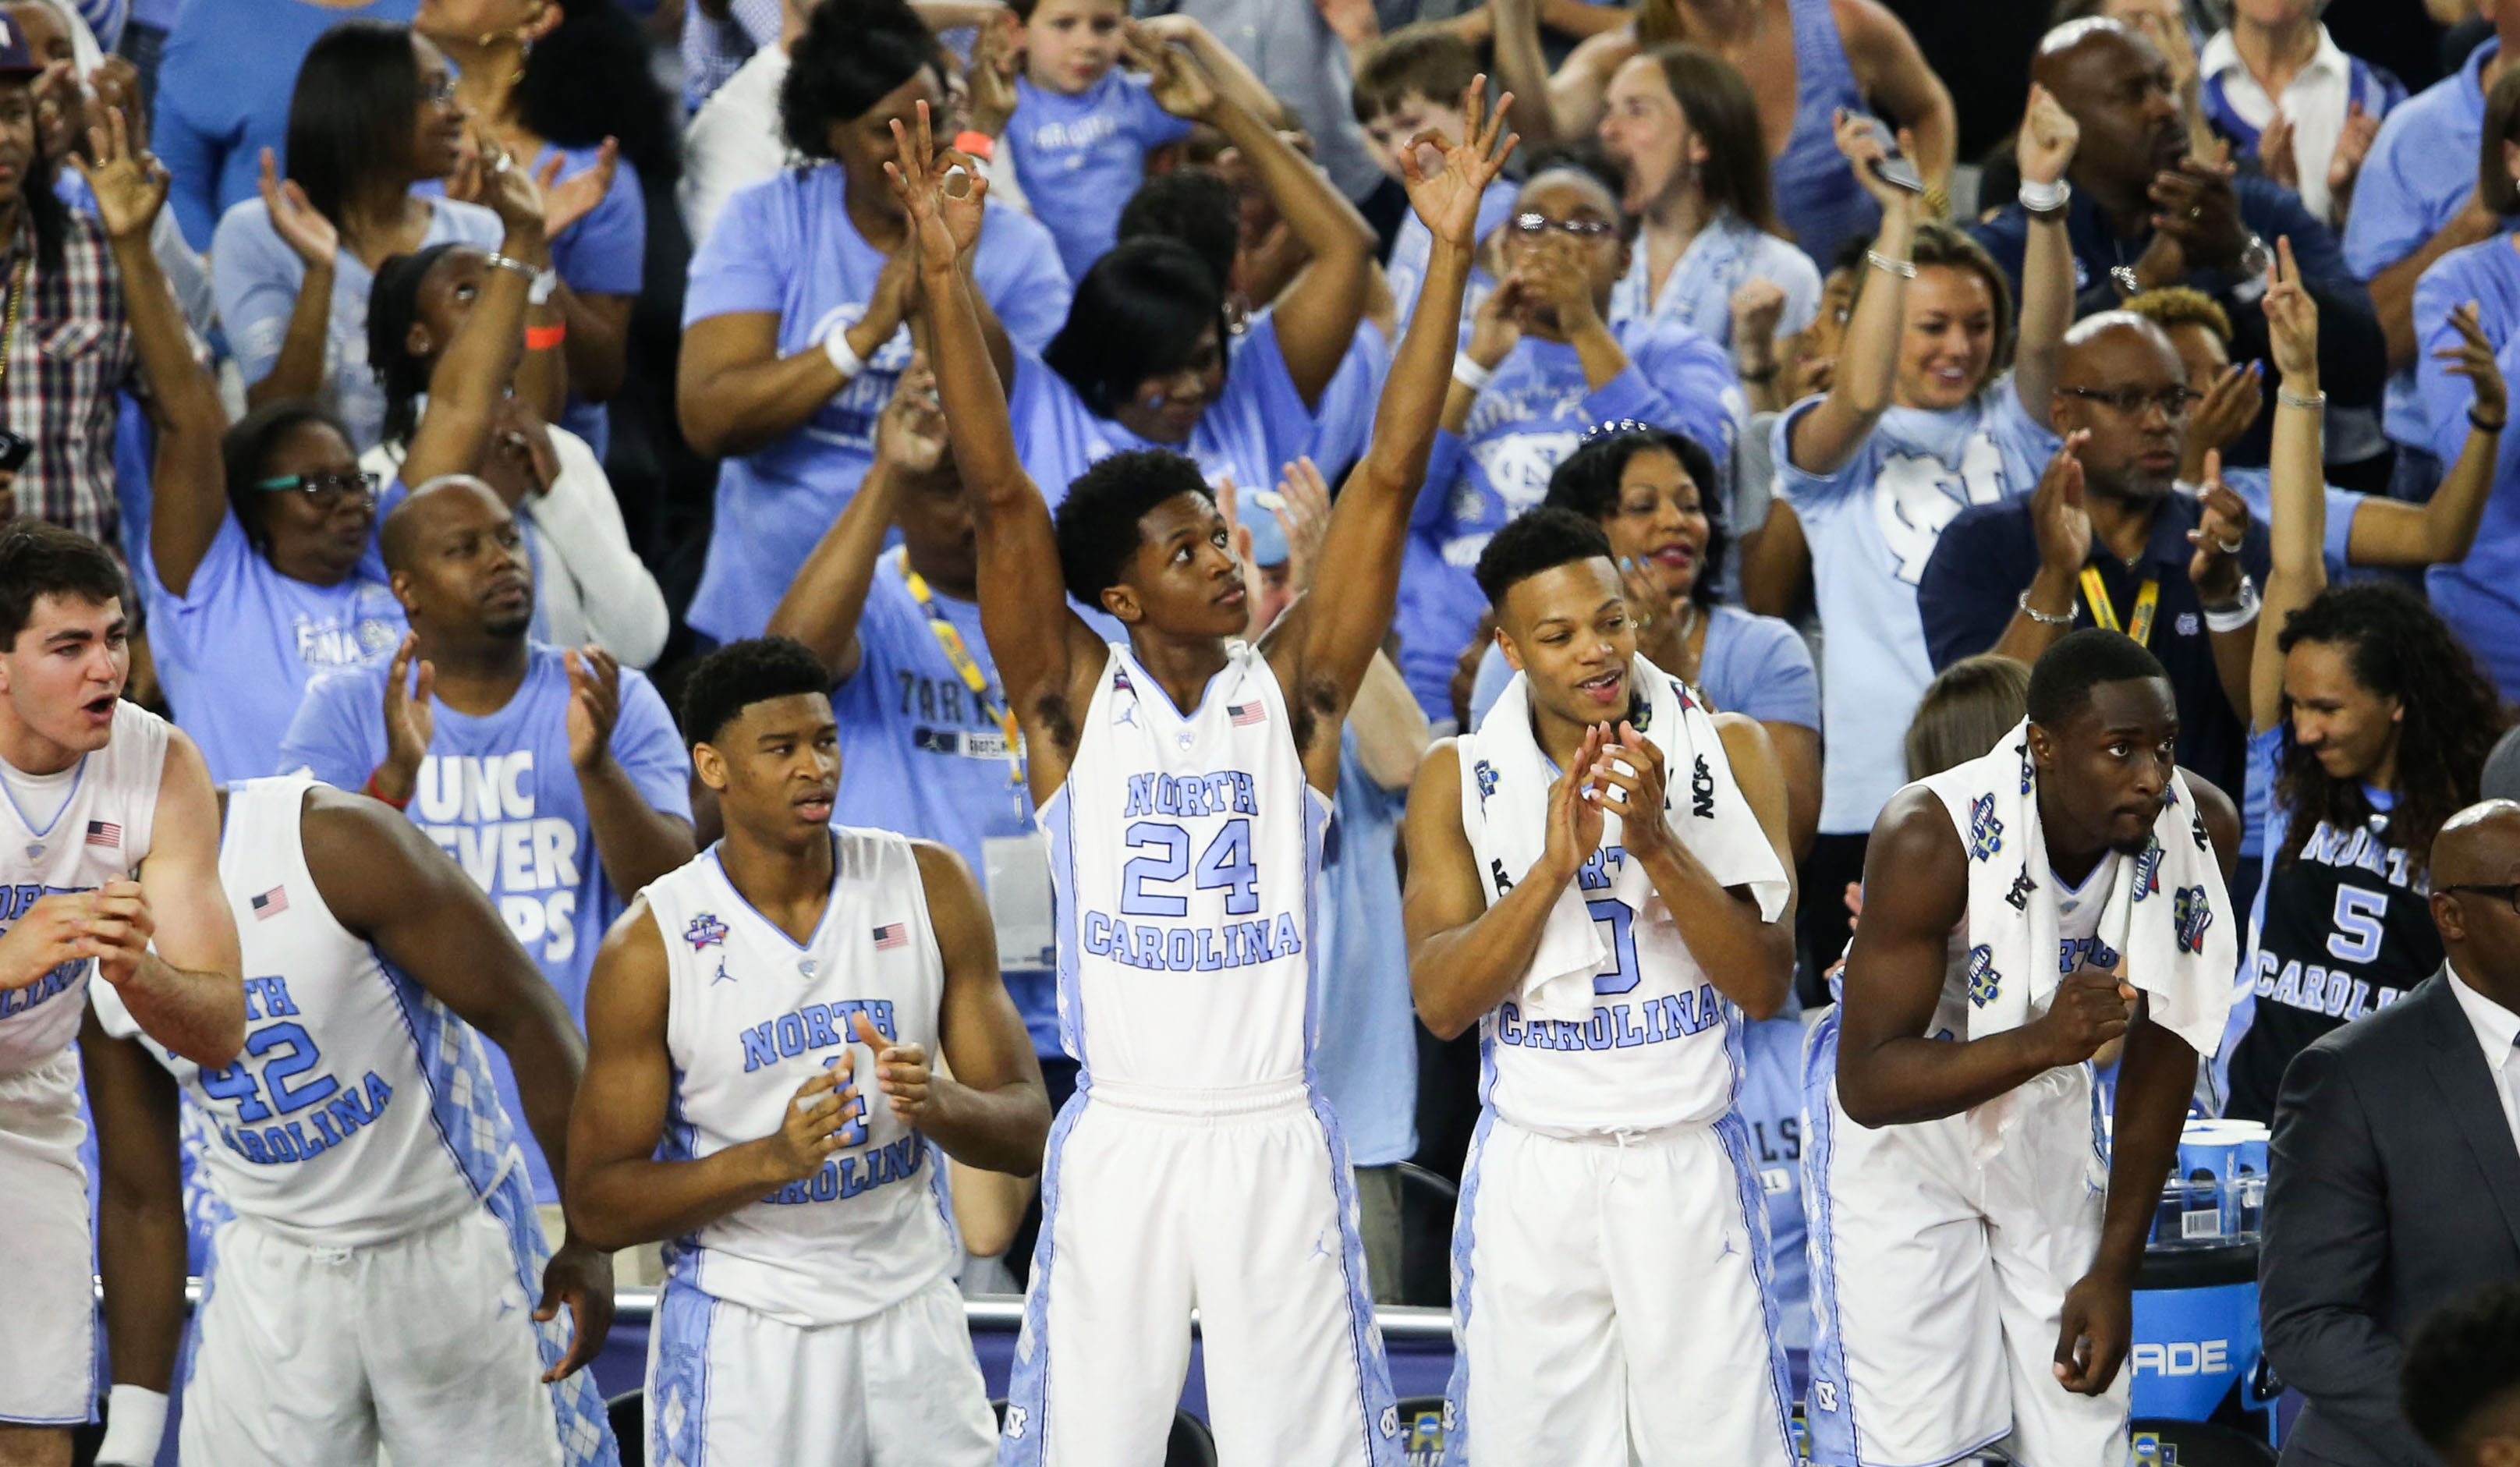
{"x": 1185, "y": 781}
{"x": 1610, "y": 1258}
{"x": 809, "y": 1312}
{"x": 109, "y": 843}
{"x": 1972, "y": 1286}
{"x": 380, "y": 1277}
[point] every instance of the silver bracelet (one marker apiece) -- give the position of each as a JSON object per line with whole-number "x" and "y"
{"x": 2129, "y": 283}
{"x": 1903, "y": 268}
{"x": 541, "y": 280}
{"x": 2035, "y": 615}
{"x": 2317, "y": 402}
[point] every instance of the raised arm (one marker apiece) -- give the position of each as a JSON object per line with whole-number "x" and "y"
{"x": 187, "y": 987}
{"x": 2045, "y": 149}
{"x": 1889, "y": 67}
{"x": 2297, "y": 481}
{"x": 1358, "y": 577}
{"x": 1522, "y": 64}
{"x": 188, "y": 486}
{"x": 299, "y": 370}
{"x": 474, "y": 372}
{"x": 2443, "y": 529}
{"x": 620, "y": 1195}
{"x": 1467, "y": 956}
{"x": 1825, "y": 438}
{"x": 1047, "y": 656}
{"x": 385, "y": 881}
{"x": 990, "y": 1111}
{"x": 822, "y": 606}
{"x": 1890, "y": 1071}
{"x": 1317, "y": 316}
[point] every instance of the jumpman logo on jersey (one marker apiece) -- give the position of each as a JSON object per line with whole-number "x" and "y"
{"x": 1729, "y": 1250}
{"x": 1128, "y": 714}
{"x": 1321, "y": 1245}
{"x": 722, "y": 975}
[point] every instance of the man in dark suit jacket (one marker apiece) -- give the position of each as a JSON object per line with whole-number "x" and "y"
{"x": 2395, "y": 1178}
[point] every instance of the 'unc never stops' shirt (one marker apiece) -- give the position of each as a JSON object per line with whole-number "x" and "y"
{"x": 1871, "y": 526}
{"x": 786, "y": 246}
{"x": 499, "y": 793}
{"x": 1082, "y": 157}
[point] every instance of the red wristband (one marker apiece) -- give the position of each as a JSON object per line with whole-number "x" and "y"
{"x": 545, "y": 337}
{"x": 977, "y": 144}
{"x": 372, "y": 792}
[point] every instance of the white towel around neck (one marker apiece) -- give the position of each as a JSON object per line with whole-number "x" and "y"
{"x": 1506, "y": 779}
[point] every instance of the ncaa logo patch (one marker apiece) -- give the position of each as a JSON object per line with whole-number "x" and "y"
{"x": 1986, "y": 832}
{"x": 1984, "y": 982}
{"x": 705, "y": 931}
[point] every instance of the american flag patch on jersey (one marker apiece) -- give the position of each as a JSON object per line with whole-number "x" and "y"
{"x": 1245, "y": 715}
{"x": 271, "y": 903}
{"x": 892, "y": 935}
{"x": 104, "y": 834}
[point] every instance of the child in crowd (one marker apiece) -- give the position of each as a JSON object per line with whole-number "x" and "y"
{"x": 1082, "y": 127}
{"x": 1409, "y": 81}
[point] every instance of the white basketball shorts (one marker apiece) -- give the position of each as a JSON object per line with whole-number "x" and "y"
{"x": 1238, "y": 1204}
{"x": 48, "y": 1349}
{"x": 1610, "y": 1300}
{"x": 1939, "y": 1279}
{"x": 315, "y": 1357}
{"x": 731, "y": 1387}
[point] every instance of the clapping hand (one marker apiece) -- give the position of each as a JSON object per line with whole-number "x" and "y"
{"x": 130, "y": 183}
{"x": 593, "y": 704}
{"x": 2059, "y": 517}
{"x": 294, "y": 218}
{"x": 1302, "y": 507}
{"x": 1446, "y": 201}
{"x": 1574, "y": 815}
{"x": 2200, "y": 210}
{"x": 567, "y": 200}
{"x": 2275, "y": 153}
{"x": 946, "y": 224}
{"x": 2352, "y": 146}
{"x": 2229, "y": 406}
{"x": 410, "y": 723}
{"x": 2473, "y": 359}
{"x": 910, "y": 432}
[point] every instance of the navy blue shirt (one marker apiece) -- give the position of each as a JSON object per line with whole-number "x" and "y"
{"x": 2353, "y": 359}
{"x": 1989, "y": 555}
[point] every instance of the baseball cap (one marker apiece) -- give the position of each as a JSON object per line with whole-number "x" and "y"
{"x": 17, "y": 58}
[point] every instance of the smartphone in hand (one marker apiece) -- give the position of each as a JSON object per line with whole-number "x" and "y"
{"x": 1893, "y": 169}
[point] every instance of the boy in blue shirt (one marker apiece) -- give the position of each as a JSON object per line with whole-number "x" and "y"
{"x": 1409, "y": 81}
{"x": 556, "y": 780}
{"x": 1082, "y": 128}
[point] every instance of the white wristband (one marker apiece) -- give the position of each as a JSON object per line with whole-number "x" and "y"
{"x": 843, "y": 356}
{"x": 2045, "y": 199}
{"x": 135, "y": 1423}
{"x": 545, "y": 283}
{"x": 1470, "y": 374}
{"x": 2232, "y": 618}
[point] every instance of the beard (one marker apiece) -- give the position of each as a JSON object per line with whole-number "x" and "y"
{"x": 511, "y": 624}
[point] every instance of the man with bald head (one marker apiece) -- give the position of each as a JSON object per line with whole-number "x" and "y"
{"x": 2144, "y": 215}
{"x": 2394, "y": 1186}
{"x": 555, "y": 778}
{"x": 2104, "y": 541}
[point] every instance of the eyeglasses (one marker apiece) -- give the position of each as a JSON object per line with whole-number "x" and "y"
{"x": 325, "y": 488}
{"x": 2127, "y": 402}
{"x": 437, "y": 90}
{"x": 2508, "y": 891}
{"x": 1531, "y": 226}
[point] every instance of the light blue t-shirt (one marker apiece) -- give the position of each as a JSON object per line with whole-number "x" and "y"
{"x": 1082, "y": 157}
{"x": 1728, "y": 255}
{"x": 1366, "y": 1054}
{"x": 1871, "y": 526}
{"x": 1771, "y": 1103}
{"x": 2479, "y": 596}
{"x": 1343, "y": 424}
{"x": 1256, "y": 426}
{"x": 785, "y": 245}
{"x": 2422, "y": 168}
{"x": 1526, "y": 421}
{"x": 1414, "y": 249}
{"x": 237, "y": 649}
{"x": 920, "y": 754}
{"x": 1753, "y": 665}
{"x": 255, "y": 276}
{"x": 500, "y": 794}
{"x": 604, "y": 253}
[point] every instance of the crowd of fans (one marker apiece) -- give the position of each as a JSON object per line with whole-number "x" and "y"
{"x": 1848, "y": 417}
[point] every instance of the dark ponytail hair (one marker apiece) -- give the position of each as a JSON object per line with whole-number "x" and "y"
{"x": 394, "y": 302}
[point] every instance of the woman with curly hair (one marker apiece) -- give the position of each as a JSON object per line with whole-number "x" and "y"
{"x": 2385, "y": 722}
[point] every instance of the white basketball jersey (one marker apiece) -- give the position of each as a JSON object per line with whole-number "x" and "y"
{"x": 1661, "y": 1047}
{"x": 1184, "y": 853}
{"x": 751, "y": 1015}
{"x": 2078, "y": 946}
{"x": 99, "y": 836}
{"x": 326, "y": 1127}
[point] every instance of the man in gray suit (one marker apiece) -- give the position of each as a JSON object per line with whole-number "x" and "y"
{"x": 2394, "y": 1181}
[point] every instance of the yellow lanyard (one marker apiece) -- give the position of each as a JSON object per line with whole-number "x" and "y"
{"x": 2147, "y": 601}
{"x": 949, "y": 638}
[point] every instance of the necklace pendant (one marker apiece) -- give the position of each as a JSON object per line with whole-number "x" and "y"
{"x": 805, "y": 966}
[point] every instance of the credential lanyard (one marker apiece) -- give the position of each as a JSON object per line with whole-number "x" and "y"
{"x": 949, "y": 639}
{"x": 2147, "y": 604}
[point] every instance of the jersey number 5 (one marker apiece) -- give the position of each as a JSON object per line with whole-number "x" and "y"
{"x": 2360, "y": 918}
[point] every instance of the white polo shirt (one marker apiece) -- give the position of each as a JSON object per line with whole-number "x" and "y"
{"x": 2317, "y": 100}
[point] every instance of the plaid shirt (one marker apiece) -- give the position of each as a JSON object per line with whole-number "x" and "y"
{"x": 71, "y": 355}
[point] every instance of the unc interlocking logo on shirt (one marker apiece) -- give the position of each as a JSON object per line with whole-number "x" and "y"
{"x": 1915, "y": 497}
{"x": 1983, "y": 979}
{"x": 1986, "y": 832}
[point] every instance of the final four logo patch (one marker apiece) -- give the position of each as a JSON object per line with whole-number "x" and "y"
{"x": 705, "y": 931}
{"x": 1983, "y": 980}
{"x": 2191, "y": 915}
{"x": 2148, "y": 872}
{"x": 1485, "y": 773}
{"x": 1986, "y": 832}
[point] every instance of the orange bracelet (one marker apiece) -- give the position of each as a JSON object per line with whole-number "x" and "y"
{"x": 977, "y": 144}
{"x": 545, "y": 337}
{"x": 371, "y": 790}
